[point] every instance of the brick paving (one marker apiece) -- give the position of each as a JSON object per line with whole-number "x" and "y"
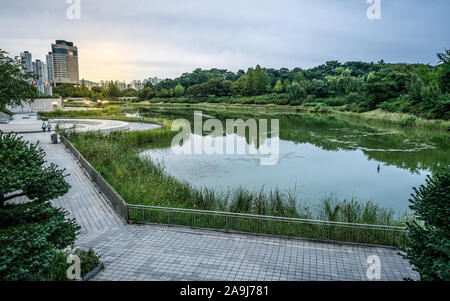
{"x": 134, "y": 252}
{"x": 84, "y": 201}
{"x": 157, "y": 253}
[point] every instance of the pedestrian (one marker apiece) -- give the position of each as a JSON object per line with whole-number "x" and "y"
{"x": 43, "y": 126}
{"x": 49, "y": 127}
{"x": 141, "y": 120}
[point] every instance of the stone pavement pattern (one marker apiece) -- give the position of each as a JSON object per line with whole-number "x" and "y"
{"x": 133, "y": 252}
{"x": 84, "y": 201}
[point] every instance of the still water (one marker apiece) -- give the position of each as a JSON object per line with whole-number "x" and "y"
{"x": 322, "y": 156}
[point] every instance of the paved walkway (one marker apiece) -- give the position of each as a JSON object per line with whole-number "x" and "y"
{"x": 84, "y": 201}
{"x": 132, "y": 252}
{"x": 23, "y": 123}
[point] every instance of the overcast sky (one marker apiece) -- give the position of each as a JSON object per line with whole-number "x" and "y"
{"x": 136, "y": 39}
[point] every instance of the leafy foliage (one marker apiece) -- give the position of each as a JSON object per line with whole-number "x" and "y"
{"x": 23, "y": 172}
{"x": 31, "y": 235}
{"x": 14, "y": 83}
{"x": 429, "y": 242}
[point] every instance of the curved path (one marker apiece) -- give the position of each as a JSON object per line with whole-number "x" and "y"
{"x": 28, "y": 123}
{"x": 132, "y": 252}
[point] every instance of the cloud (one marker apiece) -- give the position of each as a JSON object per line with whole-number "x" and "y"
{"x": 136, "y": 39}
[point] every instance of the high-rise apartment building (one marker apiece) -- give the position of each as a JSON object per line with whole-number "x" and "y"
{"x": 27, "y": 61}
{"x": 40, "y": 70}
{"x": 65, "y": 63}
{"x": 49, "y": 63}
{"x": 137, "y": 85}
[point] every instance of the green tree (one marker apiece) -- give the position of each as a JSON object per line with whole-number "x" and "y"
{"x": 428, "y": 247}
{"x": 279, "y": 87}
{"x": 14, "y": 83}
{"x": 238, "y": 87}
{"x": 64, "y": 90}
{"x": 218, "y": 87}
{"x": 24, "y": 172}
{"x": 297, "y": 92}
{"x": 164, "y": 93}
{"x": 178, "y": 90}
{"x": 130, "y": 92}
{"x": 113, "y": 90}
{"x": 298, "y": 77}
{"x": 146, "y": 93}
{"x": 97, "y": 90}
{"x": 444, "y": 70}
{"x": 386, "y": 84}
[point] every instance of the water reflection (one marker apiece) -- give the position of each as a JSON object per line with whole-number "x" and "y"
{"x": 322, "y": 155}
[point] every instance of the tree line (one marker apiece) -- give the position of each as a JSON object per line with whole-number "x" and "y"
{"x": 419, "y": 89}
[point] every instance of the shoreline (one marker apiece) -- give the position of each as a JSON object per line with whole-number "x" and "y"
{"x": 403, "y": 120}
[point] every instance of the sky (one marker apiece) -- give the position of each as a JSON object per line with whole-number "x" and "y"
{"x": 137, "y": 39}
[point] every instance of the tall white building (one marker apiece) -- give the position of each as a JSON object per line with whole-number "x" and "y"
{"x": 43, "y": 85}
{"x": 122, "y": 85}
{"x": 137, "y": 85}
{"x": 27, "y": 61}
{"x": 43, "y": 72}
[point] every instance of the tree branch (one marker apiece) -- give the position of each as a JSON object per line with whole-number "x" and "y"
{"x": 5, "y": 199}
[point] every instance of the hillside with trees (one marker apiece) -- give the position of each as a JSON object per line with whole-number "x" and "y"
{"x": 419, "y": 89}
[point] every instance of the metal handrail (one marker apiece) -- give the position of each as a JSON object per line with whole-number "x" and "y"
{"x": 267, "y": 217}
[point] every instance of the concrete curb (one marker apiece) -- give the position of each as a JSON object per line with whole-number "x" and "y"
{"x": 92, "y": 273}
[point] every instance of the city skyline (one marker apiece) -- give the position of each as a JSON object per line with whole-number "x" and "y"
{"x": 165, "y": 39}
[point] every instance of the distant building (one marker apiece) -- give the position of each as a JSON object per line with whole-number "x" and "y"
{"x": 39, "y": 69}
{"x": 122, "y": 85}
{"x": 49, "y": 62}
{"x": 27, "y": 62}
{"x": 137, "y": 85}
{"x": 104, "y": 83}
{"x": 65, "y": 62}
{"x": 42, "y": 78}
{"x": 153, "y": 80}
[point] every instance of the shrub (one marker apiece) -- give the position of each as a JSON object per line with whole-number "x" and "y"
{"x": 428, "y": 242}
{"x": 354, "y": 97}
{"x": 31, "y": 235}
{"x": 24, "y": 172}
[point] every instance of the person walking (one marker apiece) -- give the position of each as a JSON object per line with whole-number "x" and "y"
{"x": 49, "y": 127}
{"x": 44, "y": 126}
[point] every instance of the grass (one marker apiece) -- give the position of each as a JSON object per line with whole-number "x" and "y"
{"x": 142, "y": 182}
{"x": 107, "y": 112}
{"x": 378, "y": 117}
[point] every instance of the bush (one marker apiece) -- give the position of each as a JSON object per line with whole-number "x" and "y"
{"x": 354, "y": 97}
{"x": 428, "y": 242}
{"x": 31, "y": 235}
{"x": 88, "y": 259}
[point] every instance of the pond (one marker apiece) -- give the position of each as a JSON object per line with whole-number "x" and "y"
{"x": 321, "y": 156}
